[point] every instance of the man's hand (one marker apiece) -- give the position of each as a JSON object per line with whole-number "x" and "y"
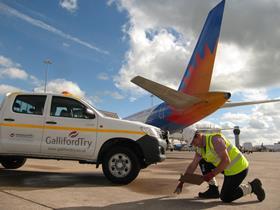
{"x": 179, "y": 187}
{"x": 208, "y": 177}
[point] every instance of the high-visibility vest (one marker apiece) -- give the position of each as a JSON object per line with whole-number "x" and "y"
{"x": 237, "y": 163}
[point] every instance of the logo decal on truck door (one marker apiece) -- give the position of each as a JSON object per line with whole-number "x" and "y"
{"x": 73, "y": 134}
{"x": 70, "y": 140}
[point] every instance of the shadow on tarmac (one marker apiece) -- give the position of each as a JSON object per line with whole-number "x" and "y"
{"x": 164, "y": 203}
{"x": 22, "y": 180}
{"x": 30, "y": 180}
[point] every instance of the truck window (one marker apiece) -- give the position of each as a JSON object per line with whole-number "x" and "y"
{"x": 68, "y": 107}
{"x": 29, "y": 104}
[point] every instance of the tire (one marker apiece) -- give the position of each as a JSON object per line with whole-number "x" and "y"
{"x": 12, "y": 162}
{"x": 120, "y": 165}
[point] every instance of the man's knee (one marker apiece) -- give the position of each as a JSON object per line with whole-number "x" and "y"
{"x": 227, "y": 198}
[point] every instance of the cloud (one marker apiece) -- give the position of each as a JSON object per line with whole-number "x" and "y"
{"x": 236, "y": 118}
{"x": 7, "y": 62}
{"x": 64, "y": 44}
{"x": 40, "y": 24}
{"x": 158, "y": 57}
{"x": 229, "y": 66}
{"x": 8, "y": 69}
{"x": 14, "y": 73}
{"x": 132, "y": 99}
{"x": 8, "y": 88}
{"x": 70, "y": 5}
{"x": 259, "y": 125}
{"x": 114, "y": 94}
{"x": 12, "y": 70}
{"x": 255, "y": 94}
{"x": 60, "y": 85}
{"x": 94, "y": 100}
{"x": 247, "y": 57}
{"x": 35, "y": 81}
{"x": 103, "y": 76}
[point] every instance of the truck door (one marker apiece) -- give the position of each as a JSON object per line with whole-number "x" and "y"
{"x": 70, "y": 131}
{"x": 22, "y": 127}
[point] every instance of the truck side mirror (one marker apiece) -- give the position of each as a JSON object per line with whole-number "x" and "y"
{"x": 90, "y": 114}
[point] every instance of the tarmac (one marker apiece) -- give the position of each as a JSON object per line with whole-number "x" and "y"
{"x": 68, "y": 185}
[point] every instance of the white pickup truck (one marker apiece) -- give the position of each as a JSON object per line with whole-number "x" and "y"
{"x": 63, "y": 127}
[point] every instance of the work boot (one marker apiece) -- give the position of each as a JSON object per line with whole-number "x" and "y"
{"x": 257, "y": 189}
{"x": 212, "y": 192}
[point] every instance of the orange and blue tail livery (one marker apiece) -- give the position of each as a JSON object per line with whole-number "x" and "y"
{"x": 198, "y": 74}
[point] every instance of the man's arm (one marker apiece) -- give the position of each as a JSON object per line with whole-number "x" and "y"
{"x": 193, "y": 165}
{"x": 190, "y": 169}
{"x": 221, "y": 150}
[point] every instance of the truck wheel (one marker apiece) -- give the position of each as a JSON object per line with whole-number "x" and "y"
{"x": 120, "y": 165}
{"x": 12, "y": 162}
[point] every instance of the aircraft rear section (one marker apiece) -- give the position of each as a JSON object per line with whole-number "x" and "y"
{"x": 173, "y": 120}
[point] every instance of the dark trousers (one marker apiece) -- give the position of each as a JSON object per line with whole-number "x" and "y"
{"x": 230, "y": 189}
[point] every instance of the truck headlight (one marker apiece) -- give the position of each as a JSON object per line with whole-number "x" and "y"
{"x": 151, "y": 132}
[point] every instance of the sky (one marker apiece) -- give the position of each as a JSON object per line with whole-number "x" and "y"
{"x": 97, "y": 47}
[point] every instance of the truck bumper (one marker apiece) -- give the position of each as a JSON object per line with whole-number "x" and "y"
{"x": 153, "y": 149}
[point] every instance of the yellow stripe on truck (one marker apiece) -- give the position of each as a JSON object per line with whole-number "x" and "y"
{"x": 71, "y": 128}
{"x": 21, "y": 125}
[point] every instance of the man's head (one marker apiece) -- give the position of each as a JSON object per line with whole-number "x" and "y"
{"x": 196, "y": 138}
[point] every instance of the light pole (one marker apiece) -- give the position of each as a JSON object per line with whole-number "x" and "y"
{"x": 47, "y": 62}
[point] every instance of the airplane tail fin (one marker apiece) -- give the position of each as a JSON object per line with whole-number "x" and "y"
{"x": 198, "y": 74}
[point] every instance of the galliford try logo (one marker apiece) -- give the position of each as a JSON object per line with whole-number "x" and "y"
{"x": 71, "y": 140}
